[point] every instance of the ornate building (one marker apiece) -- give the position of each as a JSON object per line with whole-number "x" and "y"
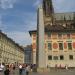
{"x": 54, "y": 40}
{"x": 10, "y": 52}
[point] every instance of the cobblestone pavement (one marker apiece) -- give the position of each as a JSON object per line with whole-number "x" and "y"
{"x": 52, "y": 72}
{"x": 58, "y": 72}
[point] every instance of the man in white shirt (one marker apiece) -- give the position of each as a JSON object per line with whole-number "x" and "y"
{"x": 20, "y": 69}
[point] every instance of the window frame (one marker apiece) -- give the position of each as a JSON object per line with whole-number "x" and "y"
{"x": 49, "y": 57}
{"x": 61, "y": 57}
{"x": 68, "y": 36}
{"x": 60, "y": 45}
{"x": 69, "y": 46}
{"x": 70, "y": 57}
{"x": 55, "y": 57}
{"x": 59, "y": 37}
{"x": 49, "y": 46}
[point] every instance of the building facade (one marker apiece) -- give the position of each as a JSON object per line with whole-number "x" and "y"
{"x": 59, "y": 47}
{"x": 10, "y": 52}
{"x": 28, "y": 54}
{"x": 53, "y": 41}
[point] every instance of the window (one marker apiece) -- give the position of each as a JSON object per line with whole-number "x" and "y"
{"x": 61, "y": 57}
{"x": 68, "y": 36}
{"x": 54, "y": 36}
{"x": 49, "y": 46}
{"x": 71, "y": 57}
{"x": 60, "y": 36}
{"x": 70, "y": 46}
{"x": 55, "y": 57}
{"x": 49, "y": 57}
{"x": 49, "y": 35}
{"x": 64, "y": 36}
{"x": 60, "y": 46}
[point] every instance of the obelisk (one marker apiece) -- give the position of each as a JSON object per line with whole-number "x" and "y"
{"x": 41, "y": 49}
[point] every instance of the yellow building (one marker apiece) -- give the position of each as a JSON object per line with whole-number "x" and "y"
{"x": 53, "y": 42}
{"x": 10, "y": 52}
{"x": 59, "y": 46}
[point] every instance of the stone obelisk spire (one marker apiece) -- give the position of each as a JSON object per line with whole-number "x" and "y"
{"x": 44, "y": 11}
{"x": 41, "y": 50}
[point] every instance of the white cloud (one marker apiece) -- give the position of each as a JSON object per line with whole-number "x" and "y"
{"x": 31, "y": 21}
{"x": 7, "y": 3}
{"x": 60, "y": 5}
{"x": 23, "y": 38}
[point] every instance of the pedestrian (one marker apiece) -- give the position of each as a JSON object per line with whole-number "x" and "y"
{"x": 31, "y": 67}
{"x": 6, "y": 72}
{"x": 1, "y": 68}
{"x": 56, "y": 67}
{"x": 66, "y": 67}
{"x": 27, "y": 69}
{"x": 14, "y": 67}
{"x": 23, "y": 69}
{"x": 20, "y": 69}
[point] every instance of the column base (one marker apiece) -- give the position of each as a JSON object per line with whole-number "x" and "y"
{"x": 43, "y": 70}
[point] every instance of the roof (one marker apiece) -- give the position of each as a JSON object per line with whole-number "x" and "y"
{"x": 54, "y": 27}
{"x": 68, "y": 16}
{"x": 11, "y": 40}
{"x": 31, "y": 32}
{"x": 60, "y": 31}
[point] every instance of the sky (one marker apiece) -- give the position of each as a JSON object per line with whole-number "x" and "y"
{"x": 18, "y": 17}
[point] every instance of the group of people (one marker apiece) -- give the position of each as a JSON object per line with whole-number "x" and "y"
{"x": 24, "y": 69}
{"x": 4, "y": 69}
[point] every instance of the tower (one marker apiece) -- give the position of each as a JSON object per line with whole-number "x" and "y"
{"x": 48, "y": 12}
{"x": 48, "y": 7}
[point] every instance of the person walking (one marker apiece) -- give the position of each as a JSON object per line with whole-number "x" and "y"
{"x": 27, "y": 69}
{"x": 20, "y": 69}
{"x": 23, "y": 69}
{"x": 66, "y": 66}
{"x": 6, "y": 72}
{"x": 1, "y": 69}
